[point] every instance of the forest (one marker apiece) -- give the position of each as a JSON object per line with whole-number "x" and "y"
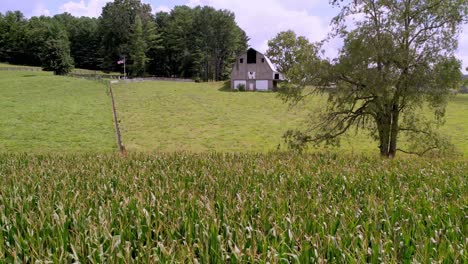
{"x": 199, "y": 43}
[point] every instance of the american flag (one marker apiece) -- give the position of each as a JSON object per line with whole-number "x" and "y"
{"x": 121, "y": 61}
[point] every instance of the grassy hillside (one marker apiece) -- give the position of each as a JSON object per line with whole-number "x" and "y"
{"x": 45, "y": 113}
{"x": 168, "y": 116}
{"x": 211, "y": 208}
{"x": 456, "y": 126}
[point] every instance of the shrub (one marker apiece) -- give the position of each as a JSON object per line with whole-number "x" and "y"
{"x": 241, "y": 87}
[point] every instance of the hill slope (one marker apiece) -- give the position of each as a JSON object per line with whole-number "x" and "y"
{"x": 169, "y": 116}
{"x": 46, "y": 113}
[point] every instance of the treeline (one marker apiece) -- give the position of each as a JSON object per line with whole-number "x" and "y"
{"x": 199, "y": 43}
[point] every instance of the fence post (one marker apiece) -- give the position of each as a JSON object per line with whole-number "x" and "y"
{"x": 116, "y": 122}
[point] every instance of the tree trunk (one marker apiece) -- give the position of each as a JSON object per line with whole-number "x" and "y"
{"x": 383, "y": 125}
{"x": 394, "y": 131}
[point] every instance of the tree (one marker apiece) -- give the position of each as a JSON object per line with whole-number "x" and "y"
{"x": 56, "y": 56}
{"x": 116, "y": 23}
{"x": 395, "y": 64}
{"x": 199, "y": 42}
{"x": 218, "y": 40}
{"x": 179, "y": 37}
{"x": 54, "y": 52}
{"x": 84, "y": 40}
{"x": 12, "y": 34}
{"x": 284, "y": 50}
{"x": 159, "y": 59}
{"x": 138, "y": 48}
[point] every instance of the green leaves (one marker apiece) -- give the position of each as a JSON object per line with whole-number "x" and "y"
{"x": 138, "y": 49}
{"x": 231, "y": 207}
{"x": 398, "y": 57}
{"x": 294, "y": 55}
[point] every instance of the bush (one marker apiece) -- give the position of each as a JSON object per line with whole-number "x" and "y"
{"x": 241, "y": 87}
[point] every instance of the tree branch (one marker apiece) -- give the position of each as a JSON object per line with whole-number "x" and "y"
{"x": 420, "y": 154}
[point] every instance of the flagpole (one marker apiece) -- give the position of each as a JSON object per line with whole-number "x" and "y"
{"x": 125, "y": 73}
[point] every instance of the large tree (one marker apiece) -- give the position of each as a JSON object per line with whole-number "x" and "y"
{"x": 218, "y": 41}
{"x": 138, "y": 48}
{"x": 286, "y": 49}
{"x": 12, "y": 36}
{"x": 84, "y": 40}
{"x": 199, "y": 42}
{"x": 116, "y": 26}
{"x": 397, "y": 63}
{"x": 46, "y": 44}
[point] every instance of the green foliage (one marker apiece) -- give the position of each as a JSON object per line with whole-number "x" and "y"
{"x": 396, "y": 62}
{"x": 241, "y": 87}
{"x": 55, "y": 54}
{"x": 288, "y": 51}
{"x": 12, "y": 30}
{"x": 138, "y": 49}
{"x": 40, "y": 41}
{"x": 84, "y": 40}
{"x": 218, "y": 208}
{"x": 116, "y": 26}
{"x": 199, "y": 42}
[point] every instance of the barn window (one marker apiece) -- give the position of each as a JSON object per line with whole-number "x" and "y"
{"x": 251, "y": 56}
{"x": 276, "y": 76}
{"x": 241, "y": 60}
{"x": 263, "y": 60}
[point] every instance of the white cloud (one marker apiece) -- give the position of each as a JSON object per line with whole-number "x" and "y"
{"x": 90, "y": 8}
{"x": 462, "y": 53}
{"x": 263, "y": 19}
{"x": 40, "y": 10}
{"x": 161, "y": 9}
{"x": 93, "y": 8}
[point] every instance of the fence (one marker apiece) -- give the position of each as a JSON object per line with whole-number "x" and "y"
{"x": 20, "y": 69}
{"x": 155, "y": 79}
{"x": 116, "y": 122}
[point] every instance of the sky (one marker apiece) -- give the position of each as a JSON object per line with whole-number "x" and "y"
{"x": 261, "y": 19}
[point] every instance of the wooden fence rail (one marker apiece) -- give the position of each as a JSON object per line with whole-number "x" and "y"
{"x": 20, "y": 69}
{"x": 120, "y": 144}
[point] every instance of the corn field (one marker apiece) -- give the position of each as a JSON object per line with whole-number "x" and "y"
{"x": 218, "y": 208}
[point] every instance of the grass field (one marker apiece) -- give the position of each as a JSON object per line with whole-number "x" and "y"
{"x": 168, "y": 116}
{"x": 44, "y": 113}
{"x": 219, "y": 208}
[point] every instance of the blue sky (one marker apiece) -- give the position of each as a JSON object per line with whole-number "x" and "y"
{"x": 309, "y": 18}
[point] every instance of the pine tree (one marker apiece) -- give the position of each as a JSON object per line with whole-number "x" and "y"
{"x": 138, "y": 49}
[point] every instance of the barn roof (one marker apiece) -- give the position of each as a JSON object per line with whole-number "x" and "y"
{"x": 272, "y": 66}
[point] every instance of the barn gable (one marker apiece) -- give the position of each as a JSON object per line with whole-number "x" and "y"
{"x": 255, "y": 71}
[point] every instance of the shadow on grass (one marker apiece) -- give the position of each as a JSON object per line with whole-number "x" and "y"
{"x": 226, "y": 87}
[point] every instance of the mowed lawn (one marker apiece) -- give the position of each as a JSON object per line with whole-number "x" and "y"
{"x": 456, "y": 126}
{"x": 43, "y": 113}
{"x": 170, "y": 116}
